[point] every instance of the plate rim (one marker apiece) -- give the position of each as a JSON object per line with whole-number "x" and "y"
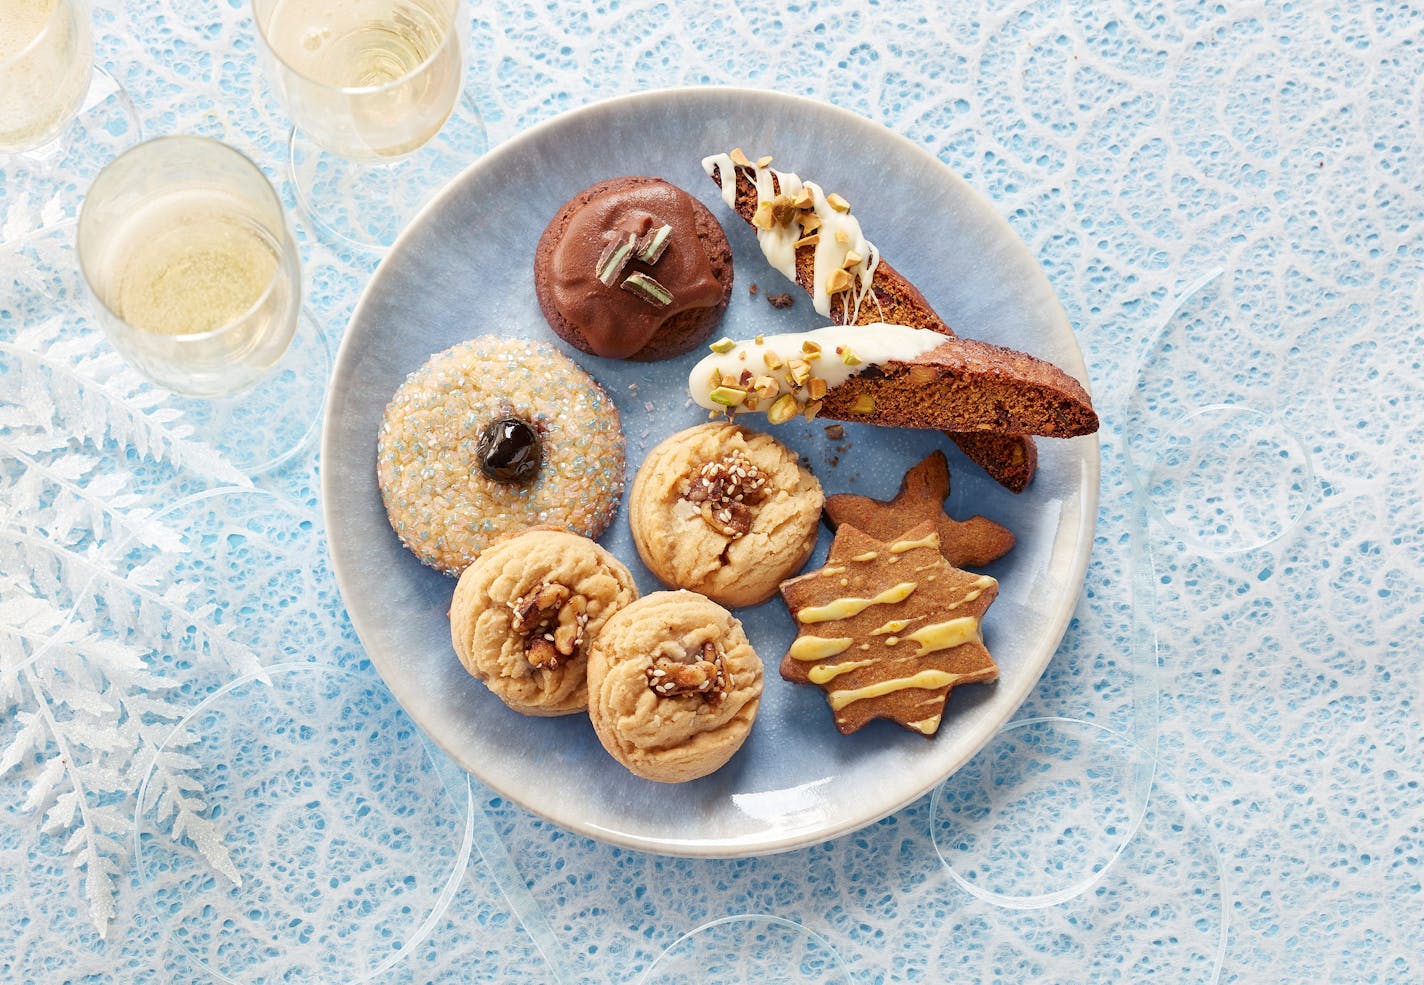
{"x": 1052, "y": 638}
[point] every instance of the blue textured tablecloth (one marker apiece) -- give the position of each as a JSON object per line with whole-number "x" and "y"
{"x": 1227, "y": 199}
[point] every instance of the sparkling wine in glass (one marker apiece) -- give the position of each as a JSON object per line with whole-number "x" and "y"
{"x": 46, "y": 61}
{"x": 370, "y": 85}
{"x": 59, "y": 112}
{"x": 185, "y": 248}
{"x": 195, "y": 279}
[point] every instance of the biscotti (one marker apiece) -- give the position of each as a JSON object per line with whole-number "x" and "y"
{"x": 873, "y": 292}
{"x": 896, "y": 376}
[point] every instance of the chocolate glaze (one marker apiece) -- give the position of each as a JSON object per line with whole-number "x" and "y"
{"x": 615, "y": 322}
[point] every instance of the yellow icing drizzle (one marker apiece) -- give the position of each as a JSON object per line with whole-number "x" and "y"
{"x": 867, "y": 556}
{"x": 893, "y": 626}
{"x": 818, "y": 647}
{"x": 828, "y": 571}
{"x": 901, "y": 546}
{"x": 982, "y": 584}
{"x": 826, "y": 672}
{"x": 944, "y": 635}
{"x": 928, "y": 679}
{"x": 925, "y": 726}
{"x": 845, "y": 608}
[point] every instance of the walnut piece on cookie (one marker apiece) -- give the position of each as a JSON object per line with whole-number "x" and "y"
{"x": 887, "y": 629}
{"x": 970, "y": 543}
{"x": 724, "y": 511}
{"x": 525, "y": 612}
{"x": 673, "y": 686}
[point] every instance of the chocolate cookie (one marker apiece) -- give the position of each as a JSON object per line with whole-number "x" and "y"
{"x": 633, "y": 268}
{"x": 888, "y": 629}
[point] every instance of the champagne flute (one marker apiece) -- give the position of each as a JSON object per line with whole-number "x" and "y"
{"x": 46, "y": 59}
{"x": 374, "y": 90}
{"x": 47, "y": 80}
{"x": 196, "y": 281}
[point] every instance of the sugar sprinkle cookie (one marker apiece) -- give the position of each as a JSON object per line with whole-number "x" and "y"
{"x": 491, "y": 436}
{"x": 525, "y": 611}
{"x": 673, "y": 686}
{"x": 724, "y": 511}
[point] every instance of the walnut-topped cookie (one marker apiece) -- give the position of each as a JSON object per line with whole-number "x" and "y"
{"x": 673, "y": 686}
{"x": 888, "y": 628}
{"x": 724, "y": 511}
{"x": 526, "y": 610}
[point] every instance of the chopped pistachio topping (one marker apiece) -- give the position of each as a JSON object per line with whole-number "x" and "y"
{"x": 811, "y": 240}
{"x": 864, "y": 404}
{"x": 614, "y": 258}
{"x": 810, "y": 345}
{"x": 764, "y": 217}
{"x": 816, "y": 388}
{"x": 651, "y": 247}
{"x": 739, "y": 158}
{"x": 804, "y": 199}
{"x": 811, "y": 410}
{"x": 809, "y": 221}
{"x": 848, "y": 356}
{"x": 837, "y": 203}
{"x": 648, "y": 289}
{"x": 727, "y": 396}
{"x": 772, "y": 360}
{"x": 851, "y": 258}
{"x": 763, "y": 161}
{"x": 723, "y": 344}
{"x": 782, "y": 210}
{"x": 783, "y": 409}
{"x": 842, "y": 238}
{"x": 799, "y": 370}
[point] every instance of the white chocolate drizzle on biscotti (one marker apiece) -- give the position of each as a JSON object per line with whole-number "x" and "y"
{"x": 787, "y": 375}
{"x": 791, "y": 213}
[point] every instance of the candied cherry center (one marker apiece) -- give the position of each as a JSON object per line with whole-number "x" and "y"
{"x": 509, "y": 450}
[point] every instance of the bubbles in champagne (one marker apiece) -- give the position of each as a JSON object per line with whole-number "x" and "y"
{"x": 20, "y": 23}
{"x": 193, "y": 275}
{"x": 46, "y": 57}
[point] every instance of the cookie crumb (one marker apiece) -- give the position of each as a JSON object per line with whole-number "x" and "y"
{"x": 752, "y": 290}
{"x": 835, "y": 432}
{"x": 779, "y": 300}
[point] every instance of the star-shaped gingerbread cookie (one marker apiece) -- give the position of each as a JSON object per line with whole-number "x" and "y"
{"x": 971, "y": 543}
{"x": 888, "y": 628}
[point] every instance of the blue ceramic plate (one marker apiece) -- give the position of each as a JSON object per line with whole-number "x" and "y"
{"x": 463, "y": 268}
